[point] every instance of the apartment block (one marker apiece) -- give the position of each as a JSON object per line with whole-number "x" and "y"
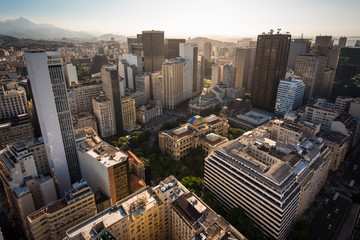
{"x": 15, "y": 130}
{"x": 179, "y": 141}
{"x": 103, "y": 166}
{"x": 52, "y": 221}
{"x": 80, "y": 96}
{"x": 104, "y": 113}
{"x": 128, "y": 113}
{"x": 167, "y": 211}
{"x": 13, "y": 100}
{"x": 322, "y": 113}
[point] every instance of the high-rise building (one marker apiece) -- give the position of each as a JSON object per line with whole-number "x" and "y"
{"x": 244, "y": 67}
{"x": 228, "y": 75}
{"x": 48, "y": 86}
{"x": 172, "y": 48}
{"x": 297, "y": 47}
{"x": 342, "y": 41}
{"x": 128, "y": 113}
{"x": 143, "y": 84}
{"x": 111, "y": 86}
{"x": 103, "y": 166}
{"x": 207, "y": 51}
{"x": 347, "y": 76}
{"x": 216, "y": 75}
{"x": 189, "y": 51}
{"x": 289, "y": 95}
{"x": 13, "y": 100}
{"x": 52, "y": 221}
{"x": 173, "y": 82}
{"x": 135, "y": 45}
{"x": 154, "y": 50}
{"x": 104, "y": 113}
{"x": 311, "y": 68}
{"x": 272, "y": 52}
{"x": 157, "y": 92}
{"x": 80, "y": 97}
{"x": 201, "y": 75}
{"x": 15, "y": 130}
{"x": 167, "y": 211}
{"x": 323, "y": 41}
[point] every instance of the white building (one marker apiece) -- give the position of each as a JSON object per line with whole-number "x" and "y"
{"x": 71, "y": 74}
{"x": 322, "y": 113}
{"x": 49, "y": 93}
{"x": 290, "y": 94}
{"x": 13, "y": 100}
{"x": 105, "y": 116}
{"x": 189, "y": 51}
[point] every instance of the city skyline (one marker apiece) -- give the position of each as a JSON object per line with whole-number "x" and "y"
{"x": 194, "y": 19}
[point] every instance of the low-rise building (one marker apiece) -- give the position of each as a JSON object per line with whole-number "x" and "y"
{"x": 52, "y": 221}
{"x": 322, "y": 112}
{"x": 149, "y": 111}
{"x": 179, "y": 141}
{"x": 84, "y": 119}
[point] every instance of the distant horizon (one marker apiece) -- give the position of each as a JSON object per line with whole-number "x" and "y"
{"x": 228, "y": 18}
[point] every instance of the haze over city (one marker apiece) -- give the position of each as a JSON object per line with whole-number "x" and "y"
{"x": 187, "y": 18}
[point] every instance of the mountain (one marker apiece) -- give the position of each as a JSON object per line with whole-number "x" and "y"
{"x": 23, "y": 28}
{"x": 107, "y": 37}
{"x": 201, "y": 40}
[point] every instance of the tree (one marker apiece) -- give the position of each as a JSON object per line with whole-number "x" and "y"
{"x": 300, "y": 231}
{"x": 235, "y": 132}
{"x": 194, "y": 184}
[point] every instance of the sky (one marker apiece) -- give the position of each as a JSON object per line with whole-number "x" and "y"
{"x": 192, "y": 18}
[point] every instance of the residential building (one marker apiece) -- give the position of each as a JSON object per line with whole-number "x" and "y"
{"x": 52, "y": 221}
{"x": 53, "y": 111}
{"x": 346, "y": 82}
{"x": 167, "y": 211}
{"x": 149, "y": 111}
{"x": 289, "y": 95}
{"x": 244, "y": 63}
{"x": 321, "y": 113}
{"x": 207, "y": 51}
{"x": 13, "y": 100}
{"x": 172, "y": 48}
{"x": 15, "y": 130}
{"x": 104, "y": 113}
{"x": 311, "y": 68}
{"x": 154, "y": 50}
{"x": 179, "y": 141}
{"x": 103, "y": 166}
{"x": 189, "y": 52}
{"x": 297, "y": 47}
{"x": 80, "y": 96}
{"x": 128, "y": 111}
{"x": 111, "y": 86}
{"x": 84, "y": 119}
{"x": 270, "y": 67}
{"x": 173, "y": 83}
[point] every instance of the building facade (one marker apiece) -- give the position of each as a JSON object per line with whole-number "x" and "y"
{"x": 207, "y": 51}
{"x": 154, "y": 50}
{"x": 105, "y": 116}
{"x": 13, "y": 100}
{"x": 15, "y": 130}
{"x": 80, "y": 97}
{"x": 244, "y": 67}
{"x": 128, "y": 113}
{"x": 173, "y": 83}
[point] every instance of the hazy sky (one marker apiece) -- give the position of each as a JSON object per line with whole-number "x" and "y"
{"x": 192, "y": 17}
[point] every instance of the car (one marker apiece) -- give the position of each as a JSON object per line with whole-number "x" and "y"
{"x": 336, "y": 210}
{"x": 328, "y": 216}
{"x": 330, "y": 227}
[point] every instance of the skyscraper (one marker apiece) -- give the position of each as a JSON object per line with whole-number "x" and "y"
{"x": 342, "y": 42}
{"x": 173, "y": 83}
{"x": 347, "y": 76}
{"x": 154, "y": 50}
{"x": 49, "y": 93}
{"x": 172, "y": 48}
{"x": 111, "y": 86}
{"x": 189, "y": 51}
{"x": 272, "y": 52}
{"x": 244, "y": 67}
{"x": 297, "y": 47}
{"x": 323, "y": 41}
{"x": 207, "y": 51}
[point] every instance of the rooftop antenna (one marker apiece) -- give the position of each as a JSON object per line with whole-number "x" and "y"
{"x": 279, "y": 29}
{"x": 271, "y": 31}
{"x": 302, "y": 36}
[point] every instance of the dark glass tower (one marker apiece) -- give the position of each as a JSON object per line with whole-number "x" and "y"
{"x": 154, "y": 50}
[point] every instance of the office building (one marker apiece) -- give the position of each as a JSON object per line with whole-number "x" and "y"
{"x": 103, "y": 166}
{"x": 15, "y": 130}
{"x": 172, "y": 48}
{"x": 323, "y": 41}
{"x": 80, "y": 96}
{"x": 154, "y": 50}
{"x": 201, "y": 75}
{"x": 216, "y": 73}
{"x": 128, "y": 113}
{"x": 228, "y": 75}
{"x": 321, "y": 113}
{"x": 167, "y": 211}
{"x": 297, "y": 47}
{"x": 105, "y": 116}
{"x": 52, "y": 221}
{"x": 71, "y": 74}
{"x": 135, "y": 45}
{"x": 96, "y": 64}
{"x": 244, "y": 67}
{"x": 310, "y": 68}
{"x": 189, "y": 52}
{"x": 111, "y": 86}
{"x": 173, "y": 83}
{"x": 346, "y": 82}
{"x": 157, "y": 87}
{"x": 207, "y": 51}
{"x": 342, "y": 42}
{"x": 332, "y": 54}
{"x": 149, "y": 111}
{"x": 85, "y": 119}
{"x": 13, "y": 100}
{"x": 49, "y": 93}
{"x": 143, "y": 84}
{"x": 289, "y": 95}
{"x": 270, "y": 67}
{"x": 179, "y": 141}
